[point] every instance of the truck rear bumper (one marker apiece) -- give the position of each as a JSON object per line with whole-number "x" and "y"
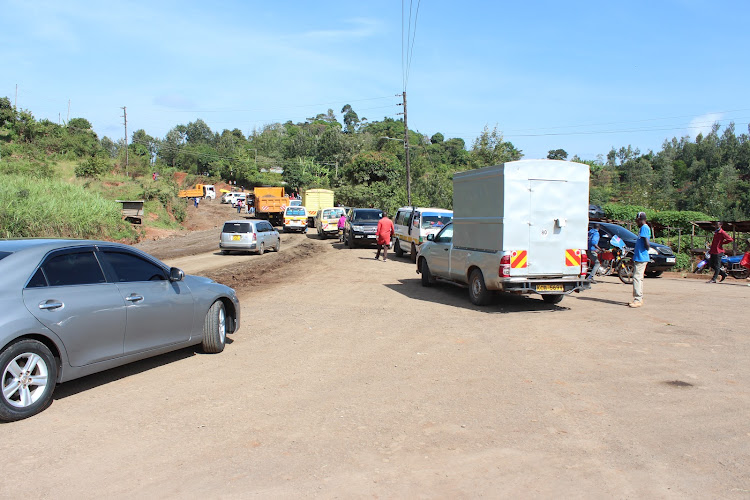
{"x": 555, "y": 286}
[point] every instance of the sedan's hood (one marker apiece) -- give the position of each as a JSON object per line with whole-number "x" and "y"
{"x": 202, "y": 280}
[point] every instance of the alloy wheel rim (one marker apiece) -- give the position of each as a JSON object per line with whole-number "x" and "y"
{"x": 24, "y": 380}
{"x": 222, "y": 325}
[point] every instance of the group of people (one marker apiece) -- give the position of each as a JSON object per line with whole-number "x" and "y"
{"x": 641, "y": 255}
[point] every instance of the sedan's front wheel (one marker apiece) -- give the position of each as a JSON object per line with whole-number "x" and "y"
{"x": 215, "y": 329}
{"x": 29, "y": 375}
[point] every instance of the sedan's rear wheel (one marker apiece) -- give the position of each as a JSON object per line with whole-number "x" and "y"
{"x": 215, "y": 328}
{"x": 261, "y": 249}
{"x": 29, "y": 375}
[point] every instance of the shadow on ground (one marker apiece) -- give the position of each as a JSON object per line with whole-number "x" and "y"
{"x": 451, "y": 295}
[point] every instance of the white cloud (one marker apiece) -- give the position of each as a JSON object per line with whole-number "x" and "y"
{"x": 702, "y": 124}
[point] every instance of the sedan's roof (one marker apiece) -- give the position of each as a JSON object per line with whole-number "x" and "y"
{"x": 44, "y": 244}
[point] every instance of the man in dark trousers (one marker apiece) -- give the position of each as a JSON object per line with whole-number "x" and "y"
{"x": 716, "y": 252}
{"x": 385, "y": 231}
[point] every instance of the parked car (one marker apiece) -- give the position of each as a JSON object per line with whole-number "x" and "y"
{"x": 71, "y": 308}
{"x": 361, "y": 226}
{"x": 249, "y": 235}
{"x": 229, "y": 197}
{"x": 662, "y": 257}
{"x": 596, "y": 212}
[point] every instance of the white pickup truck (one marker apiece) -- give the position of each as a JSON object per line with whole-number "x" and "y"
{"x": 520, "y": 227}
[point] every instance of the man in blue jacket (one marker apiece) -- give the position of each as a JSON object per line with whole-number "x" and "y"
{"x": 593, "y": 247}
{"x": 640, "y": 258}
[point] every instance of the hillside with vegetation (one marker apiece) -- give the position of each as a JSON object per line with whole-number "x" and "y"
{"x": 62, "y": 180}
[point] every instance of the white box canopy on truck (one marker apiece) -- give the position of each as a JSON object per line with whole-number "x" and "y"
{"x": 534, "y": 210}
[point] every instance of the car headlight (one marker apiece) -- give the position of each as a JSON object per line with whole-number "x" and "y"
{"x": 653, "y": 251}
{"x": 358, "y": 228}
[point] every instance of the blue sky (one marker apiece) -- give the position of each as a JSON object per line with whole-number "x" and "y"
{"x": 582, "y": 76}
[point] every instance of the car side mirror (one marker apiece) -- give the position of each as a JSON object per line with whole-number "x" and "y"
{"x": 176, "y": 274}
{"x": 430, "y": 237}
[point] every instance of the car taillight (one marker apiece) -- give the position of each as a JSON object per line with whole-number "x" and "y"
{"x": 584, "y": 263}
{"x": 255, "y": 237}
{"x": 504, "y": 270}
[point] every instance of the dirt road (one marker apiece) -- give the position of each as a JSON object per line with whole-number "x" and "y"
{"x": 348, "y": 379}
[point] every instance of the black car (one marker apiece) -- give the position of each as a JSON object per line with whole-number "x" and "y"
{"x": 596, "y": 212}
{"x": 361, "y": 226}
{"x": 662, "y": 257}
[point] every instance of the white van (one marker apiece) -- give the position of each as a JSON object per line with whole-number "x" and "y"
{"x": 413, "y": 224}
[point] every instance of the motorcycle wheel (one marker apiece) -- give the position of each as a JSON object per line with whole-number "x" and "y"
{"x": 625, "y": 271}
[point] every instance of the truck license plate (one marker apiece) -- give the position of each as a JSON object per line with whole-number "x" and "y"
{"x": 370, "y": 235}
{"x": 550, "y": 288}
{"x": 670, "y": 260}
{"x": 236, "y": 237}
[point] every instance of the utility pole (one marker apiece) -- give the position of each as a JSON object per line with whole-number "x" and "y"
{"x": 406, "y": 148}
{"x": 125, "y": 117}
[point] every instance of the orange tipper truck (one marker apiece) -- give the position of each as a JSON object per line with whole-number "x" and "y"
{"x": 270, "y": 203}
{"x": 199, "y": 191}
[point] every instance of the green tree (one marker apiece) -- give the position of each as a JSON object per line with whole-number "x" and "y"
{"x": 557, "y": 154}
{"x": 351, "y": 119}
{"x": 490, "y": 149}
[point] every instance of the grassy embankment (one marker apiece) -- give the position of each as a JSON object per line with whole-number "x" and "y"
{"x": 48, "y": 200}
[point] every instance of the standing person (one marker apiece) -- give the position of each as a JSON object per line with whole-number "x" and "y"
{"x": 195, "y": 202}
{"x": 239, "y": 205}
{"x": 716, "y": 252}
{"x": 591, "y": 252}
{"x": 341, "y": 226}
{"x": 640, "y": 258}
{"x": 385, "y": 231}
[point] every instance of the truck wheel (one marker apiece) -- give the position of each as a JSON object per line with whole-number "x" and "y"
{"x": 397, "y": 248}
{"x": 478, "y": 292}
{"x": 413, "y": 252}
{"x": 215, "y": 329}
{"x": 552, "y": 299}
{"x": 427, "y": 278}
{"x": 350, "y": 241}
{"x": 29, "y": 375}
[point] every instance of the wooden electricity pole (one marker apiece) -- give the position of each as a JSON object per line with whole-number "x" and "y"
{"x": 406, "y": 151}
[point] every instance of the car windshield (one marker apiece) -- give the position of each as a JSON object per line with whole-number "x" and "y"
{"x": 236, "y": 227}
{"x": 435, "y": 220}
{"x": 4, "y": 254}
{"x": 620, "y": 231}
{"x": 295, "y": 211}
{"x": 333, "y": 214}
{"x": 366, "y": 215}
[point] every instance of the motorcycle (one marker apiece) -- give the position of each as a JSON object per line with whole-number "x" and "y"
{"x": 617, "y": 260}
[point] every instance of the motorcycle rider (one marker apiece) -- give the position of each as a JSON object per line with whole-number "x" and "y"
{"x": 591, "y": 252}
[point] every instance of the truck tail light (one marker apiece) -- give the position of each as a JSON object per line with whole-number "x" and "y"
{"x": 584, "y": 263}
{"x": 504, "y": 270}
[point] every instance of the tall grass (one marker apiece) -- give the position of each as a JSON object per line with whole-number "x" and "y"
{"x": 55, "y": 208}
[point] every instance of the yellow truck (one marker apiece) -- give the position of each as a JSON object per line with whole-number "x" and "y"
{"x": 269, "y": 203}
{"x": 314, "y": 200}
{"x": 199, "y": 191}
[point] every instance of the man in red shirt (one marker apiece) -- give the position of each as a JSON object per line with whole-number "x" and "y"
{"x": 717, "y": 251}
{"x": 385, "y": 231}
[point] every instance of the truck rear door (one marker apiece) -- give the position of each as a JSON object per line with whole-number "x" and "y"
{"x": 547, "y": 231}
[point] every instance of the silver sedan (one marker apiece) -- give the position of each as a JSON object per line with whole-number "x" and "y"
{"x": 70, "y": 308}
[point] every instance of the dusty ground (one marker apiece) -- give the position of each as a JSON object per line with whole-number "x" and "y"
{"x": 348, "y": 379}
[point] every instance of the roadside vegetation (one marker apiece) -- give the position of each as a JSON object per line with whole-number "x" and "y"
{"x": 363, "y": 161}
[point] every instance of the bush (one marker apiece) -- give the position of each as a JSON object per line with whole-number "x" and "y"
{"x": 37, "y": 170}
{"x": 55, "y": 208}
{"x": 92, "y": 167}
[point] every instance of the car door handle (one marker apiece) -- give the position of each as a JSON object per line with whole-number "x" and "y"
{"x": 134, "y": 298}
{"x": 445, "y": 249}
{"x": 50, "y": 304}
